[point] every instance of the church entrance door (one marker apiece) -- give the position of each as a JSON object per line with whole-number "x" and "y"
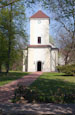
{"x": 39, "y": 65}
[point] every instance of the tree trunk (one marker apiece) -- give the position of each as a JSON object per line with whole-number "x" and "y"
{"x": 0, "y": 69}
{"x": 7, "y": 68}
{"x": 8, "y": 62}
{"x": 10, "y": 40}
{"x": 73, "y": 37}
{"x": 66, "y": 58}
{"x": 66, "y": 61}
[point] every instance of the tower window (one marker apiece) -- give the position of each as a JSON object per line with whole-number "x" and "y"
{"x": 39, "y": 40}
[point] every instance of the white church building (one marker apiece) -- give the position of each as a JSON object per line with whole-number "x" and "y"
{"x": 40, "y": 55}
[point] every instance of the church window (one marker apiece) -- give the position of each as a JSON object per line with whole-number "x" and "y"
{"x": 39, "y": 40}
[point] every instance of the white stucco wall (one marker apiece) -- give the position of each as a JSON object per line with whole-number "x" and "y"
{"x": 57, "y": 60}
{"x": 48, "y": 56}
{"x": 54, "y": 59}
{"x": 38, "y": 54}
{"x": 61, "y": 60}
{"x": 39, "y": 30}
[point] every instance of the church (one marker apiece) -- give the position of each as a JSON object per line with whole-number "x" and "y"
{"x": 40, "y": 55}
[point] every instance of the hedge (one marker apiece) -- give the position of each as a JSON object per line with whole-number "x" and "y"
{"x": 67, "y": 69}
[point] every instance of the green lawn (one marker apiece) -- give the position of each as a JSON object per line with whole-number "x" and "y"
{"x": 6, "y": 78}
{"x": 54, "y": 87}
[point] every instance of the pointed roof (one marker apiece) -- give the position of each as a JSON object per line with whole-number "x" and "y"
{"x": 39, "y": 14}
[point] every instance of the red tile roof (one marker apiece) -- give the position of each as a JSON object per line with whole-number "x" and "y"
{"x": 39, "y": 14}
{"x": 35, "y": 46}
{"x": 42, "y": 46}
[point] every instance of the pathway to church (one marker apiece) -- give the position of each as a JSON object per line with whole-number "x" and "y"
{"x": 7, "y": 92}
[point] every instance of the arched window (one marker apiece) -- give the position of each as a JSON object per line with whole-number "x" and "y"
{"x": 39, "y": 40}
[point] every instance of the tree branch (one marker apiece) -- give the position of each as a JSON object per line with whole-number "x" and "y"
{"x": 9, "y": 3}
{"x": 63, "y": 25}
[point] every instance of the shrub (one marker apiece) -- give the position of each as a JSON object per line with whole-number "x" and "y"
{"x": 25, "y": 92}
{"x": 69, "y": 98}
{"x": 67, "y": 69}
{"x": 34, "y": 95}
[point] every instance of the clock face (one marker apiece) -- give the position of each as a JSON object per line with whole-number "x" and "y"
{"x": 39, "y": 21}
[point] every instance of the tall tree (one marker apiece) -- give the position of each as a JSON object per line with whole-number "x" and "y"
{"x": 13, "y": 22}
{"x": 3, "y": 39}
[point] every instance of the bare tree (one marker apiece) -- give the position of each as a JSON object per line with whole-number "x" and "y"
{"x": 64, "y": 14}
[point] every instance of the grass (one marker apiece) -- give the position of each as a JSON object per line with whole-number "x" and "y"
{"x": 11, "y": 76}
{"x": 53, "y": 81}
{"x": 56, "y": 85}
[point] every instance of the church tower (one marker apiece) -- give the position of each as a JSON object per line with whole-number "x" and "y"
{"x": 39, "y": 29}
{"x": 40, "y": 54}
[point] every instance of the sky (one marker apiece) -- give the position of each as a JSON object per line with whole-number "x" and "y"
{"x": 53, "y": 24}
